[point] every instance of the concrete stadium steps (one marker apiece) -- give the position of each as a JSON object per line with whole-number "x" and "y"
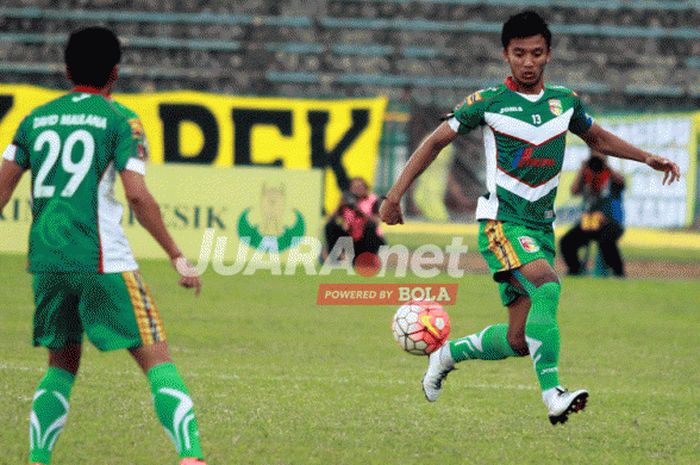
{"x": 634, "y": 54}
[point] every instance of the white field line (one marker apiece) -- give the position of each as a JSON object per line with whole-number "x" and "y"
{"x": 670, "y": 394}
{"x": 287, "y": 378}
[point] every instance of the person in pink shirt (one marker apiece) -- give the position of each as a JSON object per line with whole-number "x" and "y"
{"x": 356, "y": 216}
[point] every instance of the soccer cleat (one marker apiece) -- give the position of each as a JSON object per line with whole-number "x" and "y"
{"x": 440, "y": 364}
{"x": 192, "y": 461}
{"x": 560, "y": 403}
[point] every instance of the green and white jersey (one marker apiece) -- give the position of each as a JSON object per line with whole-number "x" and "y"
{"x": 524, "y": 142}
{"x": 74, "y": 146}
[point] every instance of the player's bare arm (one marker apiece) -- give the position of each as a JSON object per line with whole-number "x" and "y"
{"x": 10, "y": 174}
{"x": 425, "y": 154}
{"x": 608, "y": 143}
{"x": 147, "y": 212}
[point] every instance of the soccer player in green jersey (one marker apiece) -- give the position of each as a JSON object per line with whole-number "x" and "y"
{"x": 85, "y": 278}
{"x": 524, "y": 123}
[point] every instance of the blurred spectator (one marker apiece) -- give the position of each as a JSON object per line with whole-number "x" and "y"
{"x": 602, "y": 218}
{"x": 356, "y": 216}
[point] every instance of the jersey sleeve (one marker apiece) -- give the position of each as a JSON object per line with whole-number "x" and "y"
{"x": 469, "y": 114}
{"x": 18, "y": 150}
{"x": 131, "y": 149}
{"x": 581, "y": 121}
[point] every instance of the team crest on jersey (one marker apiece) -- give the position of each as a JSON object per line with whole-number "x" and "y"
{"x": 473, "y": 98}
{"x": 136, "y": 128}
{"x": 555, "y": 106}
{"x": 529, "y": 245}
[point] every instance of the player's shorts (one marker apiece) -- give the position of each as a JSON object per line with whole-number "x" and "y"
{"x": 116, "y": 310}
{"x": 507, "y": 246}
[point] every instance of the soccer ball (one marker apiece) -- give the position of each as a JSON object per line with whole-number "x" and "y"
{"x": 421, "y": 327}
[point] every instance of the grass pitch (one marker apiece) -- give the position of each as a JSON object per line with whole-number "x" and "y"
{"x": 278, "y": 380}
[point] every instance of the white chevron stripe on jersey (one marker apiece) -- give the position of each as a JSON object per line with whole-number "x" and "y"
{"x": 535, "y": 135}
{"x": 517, "y": 187}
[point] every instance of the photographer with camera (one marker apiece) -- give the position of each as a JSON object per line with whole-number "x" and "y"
{"x": 356, "y": 216}
{"x": 602, "y": 218}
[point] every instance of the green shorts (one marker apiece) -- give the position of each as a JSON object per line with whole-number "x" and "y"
{"x": 508, "y": 246}
{"x": 116, "y": 310}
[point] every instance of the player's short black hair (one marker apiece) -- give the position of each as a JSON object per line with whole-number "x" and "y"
{"x": 90, "y": 55}
{"x": 525, "y": 24}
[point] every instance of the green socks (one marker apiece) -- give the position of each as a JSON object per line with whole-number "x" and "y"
{"x": 175, "y": 409}
{"x": 49, "y": 413}
{"x": 542, "y": 334}
{"x": 172, "y": 402}
{"x": 489, "y": 344}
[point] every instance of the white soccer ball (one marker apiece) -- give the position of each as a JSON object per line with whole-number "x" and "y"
{"x": 421, "y": 327}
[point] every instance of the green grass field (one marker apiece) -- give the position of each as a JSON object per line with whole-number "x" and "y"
{"x": 278, "y": 380}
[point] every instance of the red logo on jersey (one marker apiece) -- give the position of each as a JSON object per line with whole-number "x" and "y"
{"x": 523, "y": 158}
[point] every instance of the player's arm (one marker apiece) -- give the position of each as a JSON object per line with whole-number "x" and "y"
{"x": 15, "y": 161}
{"x": 130, "y": 154}
{"x": 10, "y": 174}
{"x": 147, "y": 212}
{"x": 427, "y": 151}
{"x": 608, "y": 143}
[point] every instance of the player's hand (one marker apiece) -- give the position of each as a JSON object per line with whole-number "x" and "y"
{"x": 390, "y": 212}
{"x": 189, "y": 277}
{"x": 670, "y": 169}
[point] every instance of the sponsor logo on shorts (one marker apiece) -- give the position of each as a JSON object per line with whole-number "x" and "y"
{"x": 528, "y": 244}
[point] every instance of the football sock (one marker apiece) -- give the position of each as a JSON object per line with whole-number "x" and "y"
{"x": 489, "y": 344}
{"x": 542, "y": 333}
{"x": 175, "y": 409}
{"x": 49, "y": 413}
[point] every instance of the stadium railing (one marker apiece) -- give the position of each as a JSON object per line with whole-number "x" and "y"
{"x": 678, "y": 5}
{"x": 324, "y": 28}
{"x": 683, "y": 33}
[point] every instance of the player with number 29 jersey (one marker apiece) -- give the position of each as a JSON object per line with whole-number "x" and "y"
{"x": 85, "y": 279}
{"x": 74, "y": 146}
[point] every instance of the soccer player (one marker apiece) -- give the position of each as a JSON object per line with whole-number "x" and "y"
{"x": 85, "y": 278}
{"x": 524, "y": 123}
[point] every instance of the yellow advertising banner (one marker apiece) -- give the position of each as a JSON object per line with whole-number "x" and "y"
{"x": 340, "y": 137}
{"x": 250, "y": 203}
